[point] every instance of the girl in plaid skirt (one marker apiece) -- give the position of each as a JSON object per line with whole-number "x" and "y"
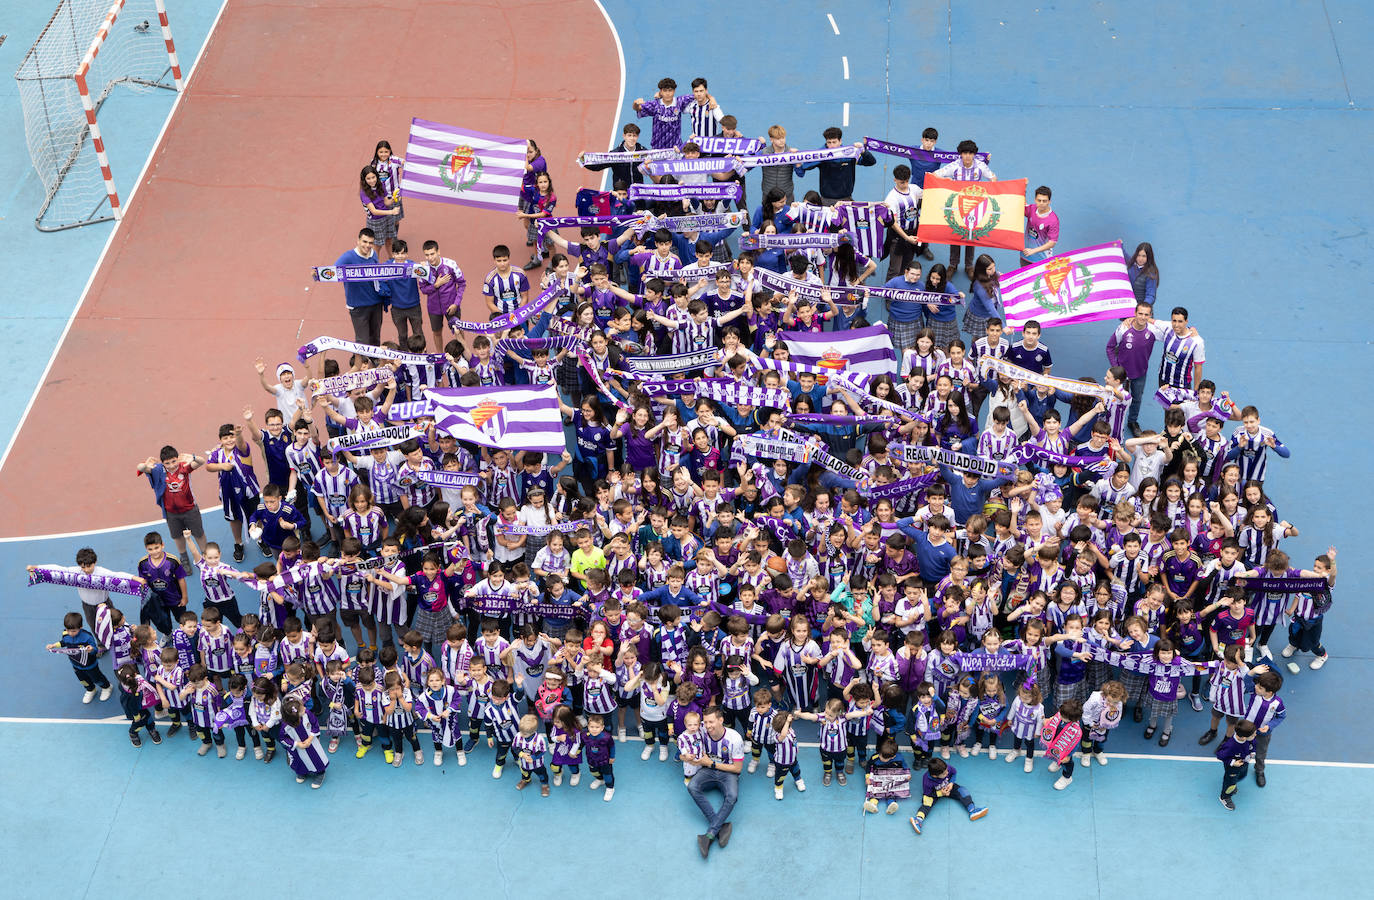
{"x": 1138, "y": 640}
{"x": 941, "y": 319}
{"x": 1166, "y": 670}
{"x": 984, "y": 296}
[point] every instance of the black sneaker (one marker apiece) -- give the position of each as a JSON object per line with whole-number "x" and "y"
{"x": 724, "y": 837}
{"x": 266, "y": 550}
{"x": 1228, "y": 803}
{"x": 173, "y": 728}
{"x": 704, "y": 845}
{"x": 238, "y": 553}
{"x": 154, "y": 736}
{"x": 1259, "y": 778}
{"x": 1138, "y": 715}
{"x": 1208, "y": 737}
{"x": 135, "y": 739}
{"x": 1134, "y": 427}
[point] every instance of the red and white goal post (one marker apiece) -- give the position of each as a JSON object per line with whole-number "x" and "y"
{"x": 87, "y": 49}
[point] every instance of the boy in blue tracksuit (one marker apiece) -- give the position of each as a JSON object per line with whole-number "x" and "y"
{"x": 79, "y": 646}
{"x": 1234, "y": 754}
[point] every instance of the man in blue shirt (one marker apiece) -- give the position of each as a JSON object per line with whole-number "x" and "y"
{"x": 366, "y": 300}
{"x": 404, "y": 297}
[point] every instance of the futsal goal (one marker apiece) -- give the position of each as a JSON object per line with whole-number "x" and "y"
{"x": 87, "y": 49}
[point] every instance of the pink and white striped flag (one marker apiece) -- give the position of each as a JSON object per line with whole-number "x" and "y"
{"x": 1080, "y": 286}
{"x": 455, "y": 165}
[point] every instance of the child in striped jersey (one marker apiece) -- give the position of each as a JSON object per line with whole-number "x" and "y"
{"x": 168, "y": 677}
{"x": 264, "y": 714}
{"x": 833, "y": 737}
{"x": 760, "y": 732}
{"x": 1228, "y": 692}
{"x": 782, "y": 750}
{"x": 530, "y": 751}
{"x": 501, "y": 717}
{"x": 215, "y": 643}
{"x": 202, "y": 699}
{"x": 691, "y": 743}
{"x": 369, "y": 710}
{"x": 860, "y": 699}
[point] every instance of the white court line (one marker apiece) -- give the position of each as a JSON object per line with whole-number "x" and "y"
{"x": 1315, "y": 763}
{"x": 832, "y": 23}
{"x": 109, "y": 242}
{"x": 620, "y": 102}
{"x": 845, "y": 60}
{"x": 846, "y": 114}
{"x": 155, "y": 523}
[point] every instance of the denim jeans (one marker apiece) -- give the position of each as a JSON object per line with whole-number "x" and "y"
{"x": 1137, "y": 393}
{"x": 728, "y": 785}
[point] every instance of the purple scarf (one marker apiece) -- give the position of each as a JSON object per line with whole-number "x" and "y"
{"x": 726, "y": 190}
{"x": 115, "y": 583}
{"x": 903, "y": 487}
{"x": 725, "y": 146}
{"x": 512, "y": 319}
{"x": 916, "y": 153}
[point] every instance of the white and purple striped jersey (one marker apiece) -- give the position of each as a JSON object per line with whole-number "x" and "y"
{"x": 367, "y": 527}
{"x": 319, "y": 591}
{"x": 491, "y": 655}
{"x": 1228, "y": 690}
{"x": 299, "y": 650}
{"x": 214, "y": 582}
{"x": 388, "y": 604}
{"x": 371, "y": 701}
{"x": 204, "y": 702}
{"x": 598, "y": 694}
{"x": 1251, "y": 456}
{"x": 784, "y": 750}
{"x": 304, "y": 461}
{"x": 903, "y": 207}
{"x": 333, "y": 488}
{"x": 833, "y": 734}
{"x": 1256, "y": 546}
{"x": 991, "y": 445}
{"x": 1025, "y": 720}
{"x": 505, "y": 290}
{"x": 503, "y": 718}
{"x": 529, "y": 751}
{"x": 981, "y": 348}
{"x": 311, "y": 758}
{"x": 1127, "y": 571}
{"x": 1180, "y": 353}
{"x": 453, "y": 661}
{"x": 705, "y": 118}
{"x": 418, "y": 492}
{"x": 400, "y": 717}
{"x": 955, "y": 170}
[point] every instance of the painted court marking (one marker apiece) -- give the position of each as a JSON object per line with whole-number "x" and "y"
{"x": 832, "y": 23}
{"x": 109, "y": 241}
{"x": 1314, "y": 763}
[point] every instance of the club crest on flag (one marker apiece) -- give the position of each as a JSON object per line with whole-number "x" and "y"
{"x": 490, "y": 418}
{"x": 832, "y": 359}
{"x": 1063, "y": 286}
{"x": 460, "y": 169}
{"x": 972, "y": 213}
{"x": 326, "y": 273}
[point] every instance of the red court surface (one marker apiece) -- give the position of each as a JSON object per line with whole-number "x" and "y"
{"x": 254, "y": 182}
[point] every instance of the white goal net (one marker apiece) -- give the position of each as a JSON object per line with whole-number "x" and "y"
{"x": 87, "y": 49}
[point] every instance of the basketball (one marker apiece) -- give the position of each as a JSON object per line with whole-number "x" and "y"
{"x": 777, "y": 564}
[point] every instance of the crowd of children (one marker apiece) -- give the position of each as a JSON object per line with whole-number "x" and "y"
{"x": 553, "y": 608}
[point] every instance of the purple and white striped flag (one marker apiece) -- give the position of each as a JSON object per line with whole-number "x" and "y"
{"x": 508, "y": 418}
{"x": 867, "y": 350}
{"x": 1080, "y": 286}
{"x": 455, "y": 165}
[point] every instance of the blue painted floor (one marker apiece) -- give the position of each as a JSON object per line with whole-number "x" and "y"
{"x": 1242, "y": 165}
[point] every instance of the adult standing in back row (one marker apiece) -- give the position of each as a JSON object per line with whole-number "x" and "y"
{"x": 837, "y": 175}
{"x": 366, "y": 300}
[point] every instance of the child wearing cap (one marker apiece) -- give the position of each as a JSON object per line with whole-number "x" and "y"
{"x": 289, "y": 393}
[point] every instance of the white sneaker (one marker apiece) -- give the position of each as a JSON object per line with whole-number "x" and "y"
{"x": 558, "y": 779}
{"x": 646, "y": 752}
{"x": 88, "y": 697}
{"x": 801, "y": 785}
{"x": 1294, "y": 668}
{"x": 438, "y": 757}
{"x": 753, "y": 765}
{"x": 772, "y": 770}
{"x": 221, "y": 751}
{"x": 610, "y": 792}
{"x": 1087, "y": 760}
{"x": 1054, "y": 766}
{"x": 1266, "y": 652}
{"x": 621, "y": 735}
{"x": 1288, "y": 651}
{"x": 576, "y": 777}
{"x": 1318, "y": 662}
{"x": 462, "y": 756}
{"x": 963, "y": 752}
{"x": 496, "y": 771}
{"x": 1013, "y": 755}
{"x": 892, "y": 807}
{"x": 105, "y": 693}
{"x": 777, "y": 792}
{"x": 1030, "y": 764}
{"x": 1196, "y": 702}
{"x": 1100, "y": 757}
{"x": 1062, "y": 783}
{"x": 257, "y": 753}
{"x": 420, "y": 758}
{"x": 240, "y": 753}
{"x": 663, "y": 753}
{"x": 992, "y": 752}
{"x": 596, "y": 783}
{"x": 944, "y": 752}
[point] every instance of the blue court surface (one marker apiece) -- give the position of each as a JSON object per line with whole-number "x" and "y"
{"x": 1230, "y": 136}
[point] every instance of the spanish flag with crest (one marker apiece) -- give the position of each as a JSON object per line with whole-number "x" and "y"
{"x": 979, "y": 213}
